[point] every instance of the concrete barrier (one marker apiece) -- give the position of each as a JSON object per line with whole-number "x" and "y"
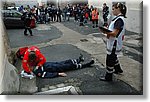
{"x": 9, "y": 79}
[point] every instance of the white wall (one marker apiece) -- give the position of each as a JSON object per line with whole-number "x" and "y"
{"x": 2, "y": 56}
{"x": 9, "y": 79}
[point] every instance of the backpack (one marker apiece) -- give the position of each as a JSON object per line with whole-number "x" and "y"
{"x": 21, "y": 51}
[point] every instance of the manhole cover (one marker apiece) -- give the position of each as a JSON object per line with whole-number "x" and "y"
{"x": 139, "y": 38}
{"x": 83, "y": 40}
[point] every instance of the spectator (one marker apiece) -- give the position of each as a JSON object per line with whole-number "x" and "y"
{"x": 27, "y": 17}
{"x": 59, "y": 13}
{"x": 105, "y": 14}
{"x": 64, "y": 13}
{"x": 68, "y": 12}
{"x": 95, "y": 17}
{"x": 81, "y": 17}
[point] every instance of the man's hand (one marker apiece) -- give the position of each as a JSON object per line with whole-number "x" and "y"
{"x": 62, "y": 74}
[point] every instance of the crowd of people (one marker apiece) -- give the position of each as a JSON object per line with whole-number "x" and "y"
{"x": 81, "y": 13}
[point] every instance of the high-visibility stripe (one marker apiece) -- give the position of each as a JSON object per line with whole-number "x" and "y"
{"x": 41, "y": 58}
{"x": 115, "y": 51}
{"x": 24, "y": 60}
{"x": 43, "y": 74}
{"x": 73, "y": 61}
{"x": 42, "y": 68}
{"x": 80, "y": 65}
{"x": 117, "y": 64}
{"x": 110, "y": 71}
{"x": 110, "y": 67}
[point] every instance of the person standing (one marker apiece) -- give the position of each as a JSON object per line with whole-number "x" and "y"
{"x": 114, "y": 41}
{"x": 81, "y": 16}
{"x": 27, "y": 17}
{"x": 64, "y": 13}
{"x": 105, "y": 14}
{"x": 50, "y": 12}
{"x": 59, "y": 13}
{"x": 95, "y": 17}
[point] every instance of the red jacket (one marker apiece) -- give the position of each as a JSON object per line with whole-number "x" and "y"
{"x": 39, "y": 61}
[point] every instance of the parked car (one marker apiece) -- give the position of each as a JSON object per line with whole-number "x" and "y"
{"x": 12, "y": 19}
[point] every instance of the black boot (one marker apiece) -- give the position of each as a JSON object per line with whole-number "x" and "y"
{"x": 88, "y": 64}
{"x": 118, "y": 69}
{"x": 108, "y": 77}
{"x": 80, "y": 59}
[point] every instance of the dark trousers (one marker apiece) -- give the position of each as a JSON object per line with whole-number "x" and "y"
{"x": 59, "y": 18}
{"x": 27, "y": 29}
{"x": 111, "y": 62}
{"x": 105, "y": 20}
{"x": 51, "y": 69}
{"x": 59, "y": 66}
{"x": 95, "y": 22}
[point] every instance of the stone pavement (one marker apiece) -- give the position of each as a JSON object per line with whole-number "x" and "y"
{"x": 70, "y": 44}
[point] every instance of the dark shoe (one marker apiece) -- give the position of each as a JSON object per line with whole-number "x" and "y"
{"x": 81, "y": 58}
{"x": 93, "y": 26}
{"x": 31, "y": 34}
{"x": 118, "y": 69}
{"x": 92, "y": 62}
{"x": 88, "y": 64}
{"x": 118, "y": 72}
{"x": 107, "y": 77}
{"x": 81, "y": 25}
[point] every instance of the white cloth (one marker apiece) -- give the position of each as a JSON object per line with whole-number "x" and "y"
{"x": 26, "y": 75}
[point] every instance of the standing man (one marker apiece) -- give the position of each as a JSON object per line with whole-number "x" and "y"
{"x": 105, "y": 14}
{"x": 114, "y": 41}
{"x": 27, "y": 17}
{"x": 95, "y": 17}
{"x": 64, "y": 13}
{"x": 59, "y": 13}
{"x": 50, "y": 12}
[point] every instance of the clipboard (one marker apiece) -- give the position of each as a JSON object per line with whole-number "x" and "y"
{"x": 104, "y": 29}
